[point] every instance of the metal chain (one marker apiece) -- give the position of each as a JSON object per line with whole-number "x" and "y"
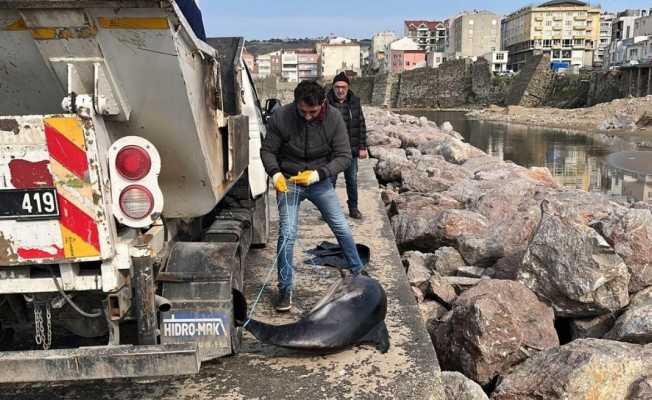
{"x": 48, "y": 318}
{"x": 38, "y": 324}
{"x": 40, "y": 336}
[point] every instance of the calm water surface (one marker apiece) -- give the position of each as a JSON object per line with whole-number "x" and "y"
{"x": 576, "y": 161}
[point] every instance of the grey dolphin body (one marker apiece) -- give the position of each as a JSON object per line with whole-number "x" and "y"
{"x": 353, "y": 312}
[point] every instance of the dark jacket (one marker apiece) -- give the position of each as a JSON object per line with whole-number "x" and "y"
{"x": 351, "y": 110}
{"x": 293, "y": 145}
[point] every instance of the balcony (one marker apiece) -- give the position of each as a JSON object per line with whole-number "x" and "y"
{"x": 557, "y": 18}
{"x": 557, "y": 28}
{"x": 538, "y": 28}
{"x": 538, "y": 18}
{"x": 579, "y": 18}
{"x": 579, "y": 27}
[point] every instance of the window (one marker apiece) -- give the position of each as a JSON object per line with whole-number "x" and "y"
{"x": 556, "y": 42}
{"x": 568, "y": 23}
{"x": 567, "y": 43}
{"x": 555, "y": 53}
{"x": 565, "y": 54}
{"x": 500, "y": 56}
{"x": 546, "y": 42}
{"x": 578, "y": 42}
{"x": 548, "y": 23}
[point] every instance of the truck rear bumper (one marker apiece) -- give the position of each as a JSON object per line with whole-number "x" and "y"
{"x": 104, "y": 362}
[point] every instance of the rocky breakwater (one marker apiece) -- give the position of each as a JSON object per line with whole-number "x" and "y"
{"x": 528, "y": 289}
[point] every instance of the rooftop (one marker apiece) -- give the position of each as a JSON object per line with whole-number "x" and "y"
{"x": 431, "y": 25}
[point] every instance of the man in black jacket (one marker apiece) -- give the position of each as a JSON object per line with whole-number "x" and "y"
{"x": 349, "y": 106}
{"x": 306, "y": 144}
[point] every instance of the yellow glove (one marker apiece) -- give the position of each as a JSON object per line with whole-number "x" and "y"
{"x": 280, "y": 184}
{"x": 305, "y": 178}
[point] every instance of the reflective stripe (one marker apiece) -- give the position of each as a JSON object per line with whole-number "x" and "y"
{"x": 66, "y": 152}
{"x": 133, "y": 23}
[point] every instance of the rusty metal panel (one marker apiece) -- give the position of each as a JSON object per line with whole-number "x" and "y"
{"x": 98, "y": 363}
{"x": 57, "y": 154}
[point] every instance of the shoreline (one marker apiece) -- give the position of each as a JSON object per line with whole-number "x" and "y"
{"x": 641, "y": 137}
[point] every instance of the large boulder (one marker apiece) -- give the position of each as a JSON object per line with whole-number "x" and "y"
{"x": 448, "y": 260}
{"x": 439, "y": 289}
{"x": 453, "y": 150}
{"x": 391, "y": 162}
{"x": 492, "y": 327}
{"x": 635, "y": 324}
{"x": 595, "y": 327}
{"x": 571, "y": 267}
{"x": 459, "y": 387}
{"x": 418, "y": 273}
{"x": 415, "y": 230}
{"x": 421, "y": 182}
{"x": 630, "y": 234}
{"x": 470, "y": 233}
{"x": 641, "y": 389}
{"x": 593, "y": 369}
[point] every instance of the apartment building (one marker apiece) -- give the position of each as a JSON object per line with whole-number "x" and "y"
{"x": 606, "y": 22}
{"x": 624, "y": 24}
{"x": 473, "y": 33}
{"x": 307, "y": 64}
{"x": 566, "y": 30}
{"x": 380, "y": 49}
{"x": 264, "y": 65}
{"x": 289, "y": 63}
{"x": 338, "y": 55}
{"x": 430, "y": 36}
{"x": 643, "y": 25}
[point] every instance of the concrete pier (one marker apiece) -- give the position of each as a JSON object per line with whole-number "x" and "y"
{"x": 408, "y": 371}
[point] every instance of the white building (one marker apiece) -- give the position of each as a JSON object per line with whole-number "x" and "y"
{"x": 635, "y": 50}
{"x": 435, "y": 59}
{"x": 289, "y": 71}
{"x": 264, "y": 64}
{"x": 606, "y": 21}
{"x": 498, "y": 60}
{"x": 380, "y": 49}
{"x": 643, "y": 25}
{"x": 339, "y": 55}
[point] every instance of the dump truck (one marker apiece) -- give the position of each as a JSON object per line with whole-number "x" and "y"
{"x": 131, "y": 190}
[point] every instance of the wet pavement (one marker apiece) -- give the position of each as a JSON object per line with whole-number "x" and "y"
{"x": 409, "y": 370}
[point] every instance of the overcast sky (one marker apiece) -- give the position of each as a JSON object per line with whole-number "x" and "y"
{"x": 265, "y": 19}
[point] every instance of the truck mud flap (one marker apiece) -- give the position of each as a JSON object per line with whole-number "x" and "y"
{"x": 105, "y": 362}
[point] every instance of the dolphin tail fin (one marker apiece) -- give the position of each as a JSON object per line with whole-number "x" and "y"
{"x": 379, "y": 336}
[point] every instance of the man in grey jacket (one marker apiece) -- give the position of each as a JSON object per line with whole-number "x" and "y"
{"x": 306, "y": 144}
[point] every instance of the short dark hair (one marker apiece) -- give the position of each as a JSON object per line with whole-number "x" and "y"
{"x": 310, "y": 92}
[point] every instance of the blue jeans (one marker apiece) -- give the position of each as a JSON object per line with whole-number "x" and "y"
{"x": 351, "y": 178}
{"x": 322, "y": 195}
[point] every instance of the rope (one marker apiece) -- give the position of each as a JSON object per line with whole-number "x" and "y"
{"x": 279, "y": 251}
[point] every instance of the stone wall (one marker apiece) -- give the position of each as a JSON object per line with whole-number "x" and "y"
{"x": 384, "y": 90}
{"x": 605, "y": 87}
{"x": 485, "y": 87}
{"x": 454, "y": 84}
{"x": 273, "y": 88}
{"x": 568, "y": 91}
{"x": 533, "y": 84}
{"x": 363, "y": 88}
{"x": 418, "y": 89}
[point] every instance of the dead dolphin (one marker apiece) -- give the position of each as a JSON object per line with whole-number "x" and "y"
{"x": 352, "y": 312}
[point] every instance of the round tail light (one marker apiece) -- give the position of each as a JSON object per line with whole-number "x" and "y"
{"x": 133, "y": 162}
{"x": 136, "y": 202}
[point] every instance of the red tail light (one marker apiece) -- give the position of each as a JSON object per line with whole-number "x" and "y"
{"x": 136, "y": 202}
{"x": 133, "y": 162}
